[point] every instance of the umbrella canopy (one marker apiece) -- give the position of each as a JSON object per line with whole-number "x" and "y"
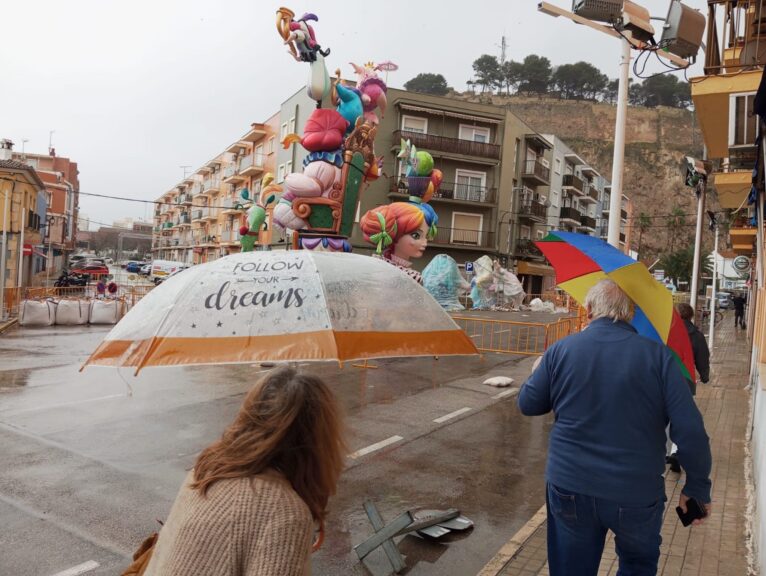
{"x": 580, "y": 261}
{"x": 283, "y": 306}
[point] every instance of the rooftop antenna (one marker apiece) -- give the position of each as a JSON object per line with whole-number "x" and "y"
{"x": 503, "y": 47}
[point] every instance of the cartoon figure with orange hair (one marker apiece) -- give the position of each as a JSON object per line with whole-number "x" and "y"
{"x": 400, "y": 231}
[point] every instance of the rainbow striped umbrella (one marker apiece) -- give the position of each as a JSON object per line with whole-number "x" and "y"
{"x": 580, "y": 261}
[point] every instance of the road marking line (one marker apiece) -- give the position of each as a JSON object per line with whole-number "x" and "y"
{"x": 451, "y": 415}
{"x": 50, "y": 407}
{"x": 505, "y": 393}
{"x": 79, "y": 569}
{"x": 376, "y": 446}
{"x": 510, "y": 548}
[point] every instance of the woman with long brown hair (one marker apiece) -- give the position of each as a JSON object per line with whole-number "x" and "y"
{"x": 250, "y": 505}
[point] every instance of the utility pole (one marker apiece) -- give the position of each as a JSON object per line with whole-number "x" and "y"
{"x": 711, "y": 333}
{"x": 618, "y": 158}
{"x": 6, "y": 196}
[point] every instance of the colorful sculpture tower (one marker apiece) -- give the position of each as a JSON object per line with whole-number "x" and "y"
{"x": 319, "y": 203}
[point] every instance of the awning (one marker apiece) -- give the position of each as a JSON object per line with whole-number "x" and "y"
{"x": 438, "y": 112}
{"x": 532, "y": 269}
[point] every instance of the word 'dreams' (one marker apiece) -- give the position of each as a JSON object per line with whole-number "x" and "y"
{"x": 225, "y": 298}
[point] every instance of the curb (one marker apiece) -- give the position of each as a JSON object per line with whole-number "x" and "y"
{"x": 511, "y": 548}
{"x": 8, "y": 324}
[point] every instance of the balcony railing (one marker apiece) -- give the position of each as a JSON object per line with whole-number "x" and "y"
{"x": 736, "y": 36}
{"x": 526, "y": 248}
{"x": 572, "y": 181}
{"x": 588, "y": 222}
{"x": 570, "y": 214}
{"x": 211, "y": 184}
{"x": 184, "y": 218}
{"x": 229, "y": 236}
{"x": 464, "y": 238}
{"x": 454, "y": 191}
{"x": 533, "y": 209}
{"x": 250, "y": 163}
{"x": 200, "y": 213}
{"x": 196, "y": 189}
{"x": 536, "y": 169}
{"x": 451, "y": 145}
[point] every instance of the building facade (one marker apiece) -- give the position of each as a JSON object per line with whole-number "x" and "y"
{"x": 62, "y": 184}
{"x": 23, "y": 194}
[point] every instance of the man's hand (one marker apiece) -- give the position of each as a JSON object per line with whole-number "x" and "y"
{"x": 682, "y": 504}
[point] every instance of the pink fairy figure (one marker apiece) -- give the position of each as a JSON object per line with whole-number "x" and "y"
{"x": 372, "y": 88}
{"x": 318, "y": 178}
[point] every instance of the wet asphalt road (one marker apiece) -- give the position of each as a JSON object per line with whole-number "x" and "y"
{"x": 91, "y": 459}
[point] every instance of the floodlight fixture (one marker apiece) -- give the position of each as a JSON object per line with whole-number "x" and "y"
{"x": 599, "y": 10}
{"x": 683, "y": 30}
{"x": 636, "y": 20}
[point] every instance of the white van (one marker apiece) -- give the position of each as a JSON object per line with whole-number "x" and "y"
{"x": 161, "y": 269}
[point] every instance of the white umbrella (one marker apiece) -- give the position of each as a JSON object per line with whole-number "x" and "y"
{"x": 283, "y": 306}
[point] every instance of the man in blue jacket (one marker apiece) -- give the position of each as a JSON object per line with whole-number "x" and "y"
{"x": 613, "y": 392}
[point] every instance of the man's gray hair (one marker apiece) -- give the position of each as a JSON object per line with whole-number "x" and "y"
{"x": 607, "y": 300}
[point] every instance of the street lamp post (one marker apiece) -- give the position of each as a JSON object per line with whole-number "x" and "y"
{"x": 626, "y": 42}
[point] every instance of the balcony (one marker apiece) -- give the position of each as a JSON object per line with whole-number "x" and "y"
{"x": 533, "y": 210}
{"x": 590, "y": 196}
{"x": 184, "y": 219}
{"x": 211, "y": 213}
{"x": 211, "y": 186}
{"x": 251, "y": 165}
{"x": 459, "y": 192}
{"x": 200, "y": 214}
{"x": 229, "y": 237}
{"x": 525, "y": 248}
{"x": 231, "y": 174}
{"x": 458, "y": 238}
{"x": 195, "y": 189}
{"x": 573, "y": 184}
{"x": 570, "y": 216}
{"x": 229, "y": 206}
{"x": 432, "y": 142}
{"x": 588, "y": 223}
{"x": 742, "y": 235}
{"x": 183, "y": 200}
{"x": 535, "y": 171}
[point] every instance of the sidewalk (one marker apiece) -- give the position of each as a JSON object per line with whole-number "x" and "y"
{"x": 718, "y": 547}
{"x": 6, "y": 324}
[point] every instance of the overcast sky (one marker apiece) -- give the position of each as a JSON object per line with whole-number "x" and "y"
{"x": 134, "y": 90}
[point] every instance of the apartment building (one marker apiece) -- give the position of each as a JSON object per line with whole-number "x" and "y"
{"x": 483, "y": 152}
{"x": 23, "y": 193}
{"x": 723, "y": 100}
{"x": 198, "y": 220}
{"x": 61, "y": 178}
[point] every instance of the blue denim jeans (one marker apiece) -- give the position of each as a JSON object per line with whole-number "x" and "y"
{"x": 577, "y": 527}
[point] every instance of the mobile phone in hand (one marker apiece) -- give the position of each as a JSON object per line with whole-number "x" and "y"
{"x": 694, "y": 511}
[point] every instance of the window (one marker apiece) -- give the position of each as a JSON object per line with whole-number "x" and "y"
{"x": 292, "y": 125}
{"x": 742, "y": 121}
{"x": 281, "y": 174}
{"x": 516, "y": 151}
{"x": 289, "y": 167}
{"x": 258, "y": 158}
{"x": 540, "y": 234}
{"x": 474, "y": 133}
{"x": 557, "y": 166}
{"x": 415, "y": 124}
{"x": 271, "y": 145}
{"x": 466, "y": 229}
{"x": 470, "y": 185}
{"x": 525, "y": 232}
{"x": 283, "y": 131}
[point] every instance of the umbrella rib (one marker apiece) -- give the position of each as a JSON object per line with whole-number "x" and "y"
{"x": 153, "y": 345}
{"x": 324, "y": 297}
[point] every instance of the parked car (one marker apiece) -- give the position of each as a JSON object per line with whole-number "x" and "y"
{"x": 133, "y": 267}
{"x": 161, "y": 269}
{"x": 723, "y": 300}
{"x": 145, "y": 269}
{"x": 95, "y": 270}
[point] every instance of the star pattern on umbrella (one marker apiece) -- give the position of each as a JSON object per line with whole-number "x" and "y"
{"x": 193, "y": 325}
{"x": 219, "y": 324}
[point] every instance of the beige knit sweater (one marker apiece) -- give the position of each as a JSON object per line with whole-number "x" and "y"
{"x": 244, "y": 527}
